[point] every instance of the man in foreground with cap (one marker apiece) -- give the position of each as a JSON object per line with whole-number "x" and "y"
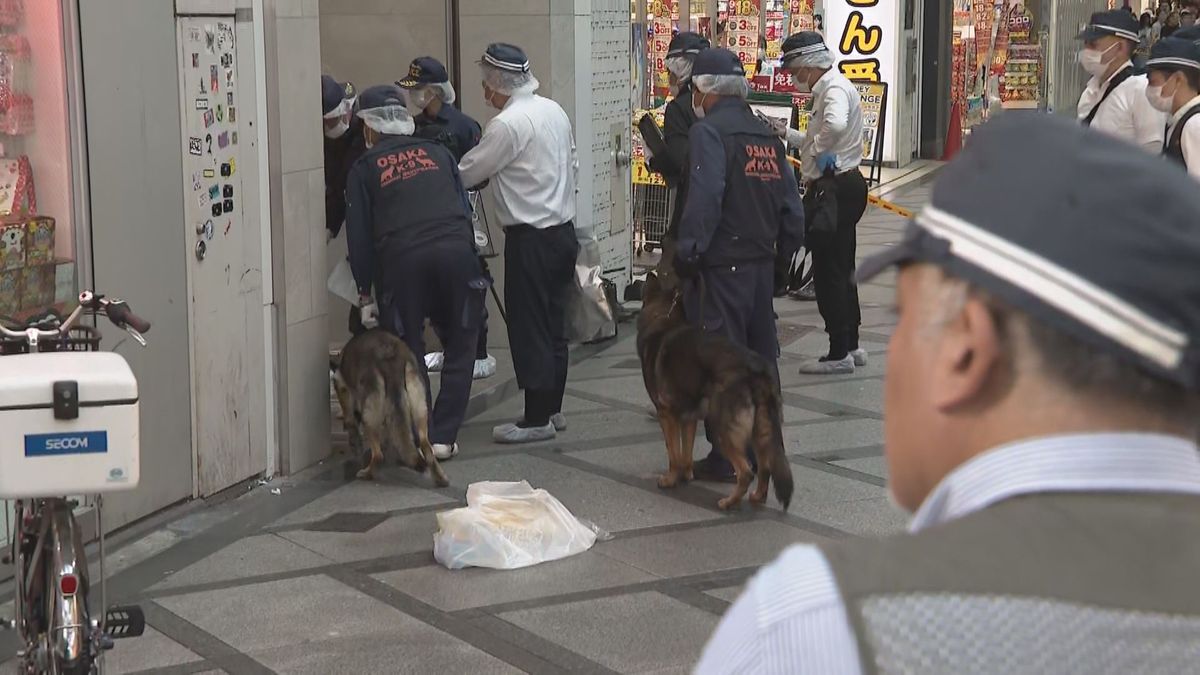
{"x": 408, "y": 227}
{"x": 343, "y": 146}
{"x": 831, "y": 148}
{"x": 1114, "y": 100}
{"x": 1174, "y": 73}
{"x": 742, "y": 207}
{"x": 430, "y": 98}
{"x": 1042, "y": 403}
{"x": 678, "y": 120}
{"x": 528, "y": 153}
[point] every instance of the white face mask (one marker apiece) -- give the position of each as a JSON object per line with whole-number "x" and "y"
{"x": 699, "y": 109}
{"x": 417, "y": 101}
{"x": 339, "y": 130}
{"x": 1093, "y": 61}
{"x": 1158, "y": 100}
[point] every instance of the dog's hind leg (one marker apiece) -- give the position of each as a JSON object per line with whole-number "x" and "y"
{"x": 735, "y": 438}
{"x": 671, "y": 434}
{"x": 418, "y": 411}
{"x": 762, "y": 439}
{"x": 688, "y": 447}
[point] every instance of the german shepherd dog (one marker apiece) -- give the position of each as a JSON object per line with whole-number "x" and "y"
{"x": 692, "y": 375}
{"x": 382, "y": 394}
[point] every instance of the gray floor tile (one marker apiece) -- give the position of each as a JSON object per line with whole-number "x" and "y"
{"x": 477, "y": 587}
{"x": 402, "y": 534}
{"x": 513, "y": 408}
{"x": 864, "y": 517}
{"x": 364, "y": 497}
{"x": 863, "y": 394}
{"x": 710, "y": 549}
{"x": 151, "y": 650}
{"x": 613, "y": 506}
{"x": 815, "y": 438}
{"x": 318, "y": 625}
{"x": 639, "y": 633}
{"x": 729, "y": 594}
{"x": 876, "y": 466}
{"x": 253, "y": 556}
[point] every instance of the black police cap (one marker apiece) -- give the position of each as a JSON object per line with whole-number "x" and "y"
{"x": 1028, "y": 213}
{"x": 424, "y": 70}
{"x": 333, "y": 93}
{"x": 801, "y": 44}
{"x": 1118, "y": 22}
{"x": 1191, "y": 34}
{"x": 506, "y": 57}
{"x": 1173, "y": 53}
{"x": 379, "y": 96}
{"x": 717, "y": 62}
{"x": 685, "y": 44}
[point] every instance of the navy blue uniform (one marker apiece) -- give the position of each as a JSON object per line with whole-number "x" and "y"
{"x": 408, "y": 226}
{"x": 450, "y": 127}
{"x": 743, "y": 204}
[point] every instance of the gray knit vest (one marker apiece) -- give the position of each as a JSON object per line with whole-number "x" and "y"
{"x": 1051, "y": 583}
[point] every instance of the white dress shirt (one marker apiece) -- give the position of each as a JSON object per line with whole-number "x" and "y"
{"x": 836, "y": 126}
{"x": 528, "y": 153}
{"x": 1191, "y": 137}
{"x": 1126, "y": 113}
{"x": 791, "y": 618}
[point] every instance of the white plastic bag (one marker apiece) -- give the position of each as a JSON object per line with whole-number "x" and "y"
{"x": 508, "y": 526}
{"x": 341, "y": 282}
{"x": 589, "y": 314}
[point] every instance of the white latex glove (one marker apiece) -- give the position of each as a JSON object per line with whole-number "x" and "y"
{"x": 369, "y": 314}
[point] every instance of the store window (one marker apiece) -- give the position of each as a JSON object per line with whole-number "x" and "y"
{"x": 37, "y": 204}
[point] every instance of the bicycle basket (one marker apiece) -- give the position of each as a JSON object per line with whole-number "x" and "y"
{"x": 78, "y": 339}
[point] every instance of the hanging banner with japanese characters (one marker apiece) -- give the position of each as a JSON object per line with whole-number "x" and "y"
{"x": 863, "y": 37}
{"x": 660, "y": 40}
{"x": 800, "y": 16}
{"x": 742, "y": 32}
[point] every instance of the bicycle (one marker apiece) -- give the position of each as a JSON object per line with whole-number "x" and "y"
{"x": 57, "y": 448}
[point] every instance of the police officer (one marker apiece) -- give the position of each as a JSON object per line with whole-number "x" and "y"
{"x": 430, "y": 102}
{"x": 678, "y": 120}
{"x": 1041, "y": 407}
{"x": 409, "y": 231}
{"x": 1114, "y": 100}
{"x": 1174, "y": 73}
{"x": 343, "y": 146}
{"x": 831, "y": 149}
{"x": 742, "y": 205}
{"x": 528, "y": 153}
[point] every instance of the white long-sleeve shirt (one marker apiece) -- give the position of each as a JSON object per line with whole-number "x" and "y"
{"x": 791, "y": 619}
{"x": 835, "y": 126}
{"x": 1126, "y": 113}
{"x": 528, "y": 152}
{"x": 1190, "y": 141}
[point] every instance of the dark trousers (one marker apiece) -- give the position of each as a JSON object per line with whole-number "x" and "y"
{"x": 736, "y": 302}
{"x": 539, "y": 266}
{"x": 833, "y": 266}
{"x": 444, "y": 284}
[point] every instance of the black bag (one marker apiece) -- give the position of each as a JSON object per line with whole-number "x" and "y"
{"x": 820, "y": 206}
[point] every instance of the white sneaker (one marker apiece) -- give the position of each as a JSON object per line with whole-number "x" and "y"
{"x": 559, "y": 421}
{"x": 434, "y": 361}
{"x": 484, "y": 368}
{"x": 511, "y": 434}
{"x": 842, "y": 367}
{"x": 860, "y": 357}
{"x": 444, "y": 452}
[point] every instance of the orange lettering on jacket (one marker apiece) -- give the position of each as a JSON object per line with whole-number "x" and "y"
{"x": 404, "y": 165}
{"x": 763, "y": 163}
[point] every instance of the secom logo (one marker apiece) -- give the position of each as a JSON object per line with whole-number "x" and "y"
{"x": 79, "y": 443}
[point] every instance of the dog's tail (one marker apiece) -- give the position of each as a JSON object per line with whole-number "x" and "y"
{"x": 768, "y": 435}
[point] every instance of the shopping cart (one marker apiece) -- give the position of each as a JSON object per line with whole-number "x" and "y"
{"x": 652, "y": 207}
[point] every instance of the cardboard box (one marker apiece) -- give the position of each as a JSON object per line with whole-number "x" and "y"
{"x": 37, "y": 287}
{"x": 12, "y": 245}
{"x": 10, "y": 292}
{"x": 39, "y": 241}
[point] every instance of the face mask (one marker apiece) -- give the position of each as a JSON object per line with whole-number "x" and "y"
{"x": 699, "y": 109}
{"x": 416, "y": 102}
{"x": 339, "y": 130}
{"x": 1158, "y": 100}
{"x": 1093, "y": 61}
{"x": 802, "y": 84}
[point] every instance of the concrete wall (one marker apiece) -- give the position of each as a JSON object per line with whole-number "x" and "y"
{"x": 297, "y": 184}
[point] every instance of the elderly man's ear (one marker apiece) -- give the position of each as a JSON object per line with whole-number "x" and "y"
{"x": 971, "y": 361}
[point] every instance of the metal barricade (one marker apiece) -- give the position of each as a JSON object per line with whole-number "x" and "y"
{"x": 652, "y": 206}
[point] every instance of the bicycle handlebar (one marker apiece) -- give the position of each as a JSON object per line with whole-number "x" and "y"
{"x": 117, "y": 311}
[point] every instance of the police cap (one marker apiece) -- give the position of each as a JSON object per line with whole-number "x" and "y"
{"x": 717, "y": 62}
{"x": 687, "y": 44}
{"x": 333, "y": 93}
{"x": 424, "y": 70}
{"x": 801, "y": 44}
{"x": 379, "y": 96}
{"x": 1118, "y": 22}
{"x": 1027, "y": 212}
{"x": 1191, "y": 34}
{"x": 506, "y": 57}
{"x": 1173, "y": 53}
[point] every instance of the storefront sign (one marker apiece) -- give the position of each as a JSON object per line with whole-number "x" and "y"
{"x": 863, "y": 36}
{"x": 660, "y": 41}
{"x": 742, "y": 32}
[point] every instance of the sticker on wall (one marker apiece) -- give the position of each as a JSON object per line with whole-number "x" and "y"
{"x": 228, "y": 205}
{"x": 209, "y": 173}
{"x": 208, "y": 143}
{"x": 201, "y": 104}
{"x": 210, "y": 38}
{"x": 209, "y": 118}
{"x": 228, "y": 226}
{"x": 193, "y": 34}
{"x": 229, "y": 78}
{"x": 234, "y": 139}
{"x": 229, "y": 98}
{"x": 208, "y": 230}
{"x": 204, "y": 200}
{"x": 226, "y": 60}
{"x": 220, "y": 113}
{"x": 214, "y": 192}
{"x": 195, "y": 60}
{"x": 214, "y": 79}
{"x": 227, "y": 192}
{"x": 224, "y": 36}
{"x": 232, "y": 115}
{"x": 195, "y": 181}
{"x": 195, "y": 146}
{"x": 226, "y": 170}
{"x": 216, "y": 209}
{"x": 223, "y": 140}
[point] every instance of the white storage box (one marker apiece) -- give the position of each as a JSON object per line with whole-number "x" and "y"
{"x": 68, "y": 425}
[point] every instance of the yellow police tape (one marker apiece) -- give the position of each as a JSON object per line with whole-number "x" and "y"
{"x": 877, "y": 201}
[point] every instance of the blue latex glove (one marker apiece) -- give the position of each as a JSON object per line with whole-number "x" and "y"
{"x": 826, "y": 162}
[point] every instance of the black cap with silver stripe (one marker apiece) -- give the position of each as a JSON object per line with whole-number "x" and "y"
{"x": 506, "y": 57}
{"x": 801, "y": 44}
{"x": 1173, "y": 53}
{"x": 1118, "y": 22}
{"x": 1078, "y": 230}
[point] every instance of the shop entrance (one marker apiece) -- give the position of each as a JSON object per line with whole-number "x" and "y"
{"x": 221, "y": 230}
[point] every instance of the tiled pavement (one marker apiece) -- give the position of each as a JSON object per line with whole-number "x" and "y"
{"x": 329, "y": 576}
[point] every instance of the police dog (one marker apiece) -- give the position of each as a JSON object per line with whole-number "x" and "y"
{"x": 382, "y": 393}
{"x": 692, "y": 375}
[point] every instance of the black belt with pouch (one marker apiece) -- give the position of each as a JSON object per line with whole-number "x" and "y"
{"x": 820, "y": 205}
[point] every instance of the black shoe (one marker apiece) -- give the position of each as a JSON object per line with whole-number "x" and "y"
{"x": 713, "y": 471}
